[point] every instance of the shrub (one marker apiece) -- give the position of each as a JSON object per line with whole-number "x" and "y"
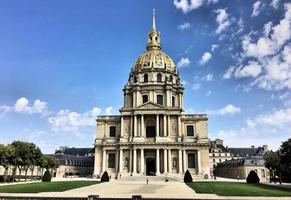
{"x": 105, "y": 177}
{"x": 188, "y": 177}
{"x": 253, "y": 177}
{"x": 47, "y": 177}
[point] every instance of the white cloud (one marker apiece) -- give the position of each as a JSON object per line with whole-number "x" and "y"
{"x": 228, "y": 109}
{"x": 3, "y": 110}
{"x": 205, "y": 58}
{"x": 196, "y": 86}
{"x": 222, "y": 20}
{"x": 228, "y": 73}
{"x": 188, "y": 5}
{"x": 67, "y": 121}
{"x": 275, "y": 3}
{"x": 184, "y": 26}
{"x": 208, "y": 77}
{"x": 22, "y": 106}
{"x": 184, "y": 62}
{"x": 214, "y": 46}
{"x": 256, "y": 9}
{"x": 270, "y": 54}
{"x": 252, "y": 69}
{"x": 109, "y": 110}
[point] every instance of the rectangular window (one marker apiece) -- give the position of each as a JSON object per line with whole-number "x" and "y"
{"x": 160, "y": 99}
{"x": 173, "y": 101}
{"x": 144, "y": 98}
{"x": 112, "y": 131}
{"x": 111, "y": 160}
{"x": 190, "y": 130}
{"x": 191, "y": 160}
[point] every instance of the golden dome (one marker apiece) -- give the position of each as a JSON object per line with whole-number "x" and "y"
{"x": 154, "y": 58}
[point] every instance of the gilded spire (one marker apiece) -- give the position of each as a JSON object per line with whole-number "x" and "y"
{"x": 153, "y": 36}
{"x": 154, "y": 21}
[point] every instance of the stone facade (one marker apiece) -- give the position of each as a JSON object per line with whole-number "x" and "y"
{"x": 152, "y": 136}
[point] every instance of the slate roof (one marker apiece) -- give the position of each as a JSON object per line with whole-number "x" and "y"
{"x": 246, "y": 152}
{"x": 74, "y": 151}
{"x": 251, "y": 161}
{"x": 223, "y": 149}
{"x": 77, "y": 160}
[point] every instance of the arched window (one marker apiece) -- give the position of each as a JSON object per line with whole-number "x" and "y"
{"x": 135, "y": 79}
{"x": 171, "y": 78}
{"x": 145, "y": 78}
{"x": 159, "y": 78}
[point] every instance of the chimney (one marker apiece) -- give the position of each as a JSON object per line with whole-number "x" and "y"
{"x": 252, "y": 146}
{"x": 219, "y": 141}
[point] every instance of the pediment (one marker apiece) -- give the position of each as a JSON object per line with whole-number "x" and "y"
{"x": 150, "y": 105}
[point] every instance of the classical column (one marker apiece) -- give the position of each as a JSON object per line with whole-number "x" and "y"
{"x": 180, "y": 161}
{"x": 135, "y": 126}
{"x": 170, "y": 160}
{"x": 134, "y": 99}
{"x": 121, "y": 126}
{"x": 105, "y": 130}
{"x": 120, "y": 161}
{"x": 130, "y": 161}
{"x": 179, "y": 126}
{"x": 158, "y": 162}
{"x": 157, "y": 126}
{"x": 199, "y": 161}
{"x": 104, "y": 161}
{"x": 165, "y": 161}
{"x": 180, "y": 100}
{"x": 169, "y": 125}
{"x": 184, "y": 160}
{"x": 134, "y": 161}
{"x": 142, "y": 161}
{"x": 131, "y": 127}
{"x": 165, "y": 126}
{"x": 142, "y": 126}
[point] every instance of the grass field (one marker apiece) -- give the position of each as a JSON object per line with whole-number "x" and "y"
{"x": 58, "y": 186}
{"x": 238, "y": 189}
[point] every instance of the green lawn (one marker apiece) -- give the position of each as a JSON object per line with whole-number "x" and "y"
{"x": 58, "y": 186}
{"x": 238, "y": 189}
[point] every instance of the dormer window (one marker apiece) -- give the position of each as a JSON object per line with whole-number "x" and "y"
{"x": 145, "y": 78}
{"x": 159, "y": 78}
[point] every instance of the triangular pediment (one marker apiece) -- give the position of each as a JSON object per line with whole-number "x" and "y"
{"x": 149, "y": 105}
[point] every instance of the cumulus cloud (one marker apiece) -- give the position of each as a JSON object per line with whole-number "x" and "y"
{"x": 256, "y": 8}
{"x": 4, "y": 109}
{"x": 275, "y": 3}
{"x": 228, "y": 73}
{"x": 208, "y": 77}
{"x": 184, "y": 26}
{"x": 270, "y": 64}
{"x": 67, "y": 121}
{"x": 205, "y": 58}
{"x": 184, "y": 62}
{"x": 222, "y": 20}
{"x": 214, "y": 46}
{"x": 70, "y": 121}
{"x": 252, "y": 69}
{"x": 228, "y": 109}
{"x": 188, "y": 5}
{"x": 22, "y": 106}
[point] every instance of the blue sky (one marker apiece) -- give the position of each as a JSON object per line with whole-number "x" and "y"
{"x": 64, "y": 62}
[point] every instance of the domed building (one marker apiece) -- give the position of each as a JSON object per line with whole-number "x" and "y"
{"x": 152, "y": 135}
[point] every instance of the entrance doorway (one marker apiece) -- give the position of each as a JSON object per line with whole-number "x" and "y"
{"x": 150, "y": 167}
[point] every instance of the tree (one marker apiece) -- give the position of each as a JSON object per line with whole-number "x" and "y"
{"x": 188, "y": 177}
{"x": 253, "y": 177}
{"x": 272, "y": 162}
{"x": 285, "y": 159}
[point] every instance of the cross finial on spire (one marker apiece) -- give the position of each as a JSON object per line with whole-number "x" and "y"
{"x": 154, "y": 20}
